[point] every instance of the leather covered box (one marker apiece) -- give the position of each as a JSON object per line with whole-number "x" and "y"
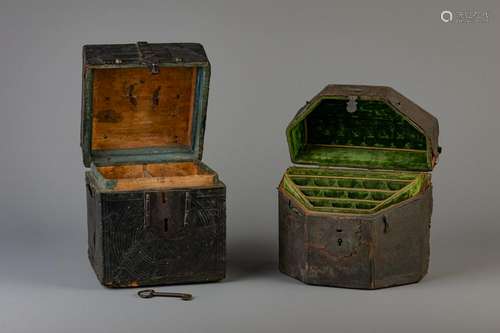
{"x": 156, "y": 213}
{"x": 356, "y": 209}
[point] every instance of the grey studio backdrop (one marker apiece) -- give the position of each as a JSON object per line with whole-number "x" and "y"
{"x": 268, "y": 58}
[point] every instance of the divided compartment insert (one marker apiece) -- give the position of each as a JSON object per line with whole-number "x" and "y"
{"x": 156, "y": 175}
{"x": 349, "y": 191}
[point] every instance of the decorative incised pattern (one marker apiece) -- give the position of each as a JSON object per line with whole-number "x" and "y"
{"x": 164, "y": 241}
{"x": 205, "y": 209}
{"x": 123, "y": 230}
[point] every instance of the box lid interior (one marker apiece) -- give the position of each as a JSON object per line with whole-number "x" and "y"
{"x": 369, "y": 127}
{"x": 143, "y": 103}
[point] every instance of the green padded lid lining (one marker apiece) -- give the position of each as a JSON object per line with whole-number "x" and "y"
{"x": 375, "y": 136}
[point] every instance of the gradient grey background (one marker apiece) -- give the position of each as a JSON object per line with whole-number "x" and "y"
{"x": 268, "y": 58}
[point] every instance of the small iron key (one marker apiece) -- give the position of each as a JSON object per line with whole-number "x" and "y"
{"x": 150, "y": 293}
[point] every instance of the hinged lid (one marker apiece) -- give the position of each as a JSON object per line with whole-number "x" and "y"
{"x": 143, "y": 103}
{"x": 364, "y": 127}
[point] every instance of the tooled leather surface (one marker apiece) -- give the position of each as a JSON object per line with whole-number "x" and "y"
{"x": 356, "y": 251}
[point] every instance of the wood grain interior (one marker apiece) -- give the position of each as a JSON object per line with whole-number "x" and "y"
{"x": 158, "y": 175}
{"x": 133, "y": 108}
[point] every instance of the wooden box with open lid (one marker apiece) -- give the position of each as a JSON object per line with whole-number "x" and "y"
{"x": 156, "y": 213}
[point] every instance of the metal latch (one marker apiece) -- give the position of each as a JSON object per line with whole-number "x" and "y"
{"x": 352, "y": 104}
{"x": 164, "y": 213}
{"x": 148, "y": 57}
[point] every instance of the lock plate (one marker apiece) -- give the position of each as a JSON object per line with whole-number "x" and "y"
{"x": 166, "y": 213}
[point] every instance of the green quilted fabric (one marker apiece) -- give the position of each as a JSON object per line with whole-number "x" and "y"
{"x": 375, "y": 136}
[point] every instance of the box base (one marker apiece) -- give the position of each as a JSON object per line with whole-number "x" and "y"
{"x": 347, "y": 286}
{"x": 156, "y": 237}
{"x": 381, "y": 250}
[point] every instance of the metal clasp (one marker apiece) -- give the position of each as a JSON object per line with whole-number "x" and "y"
{"x": 148, "y": 57}
{"x": 352, "y": 104}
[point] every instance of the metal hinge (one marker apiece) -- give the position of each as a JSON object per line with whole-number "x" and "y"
{"x": 148, "y": 57}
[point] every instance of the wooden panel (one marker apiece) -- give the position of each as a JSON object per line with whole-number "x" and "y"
{"x": 133, "y": 108}
{"x": 155, "y": 176}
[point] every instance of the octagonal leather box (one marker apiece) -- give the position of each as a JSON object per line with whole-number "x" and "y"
{"x": 356, "y": 210}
